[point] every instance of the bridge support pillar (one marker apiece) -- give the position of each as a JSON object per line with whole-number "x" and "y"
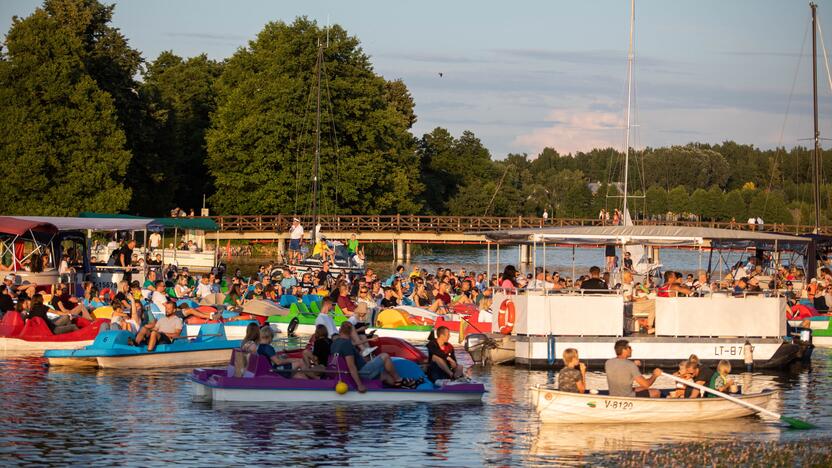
{"x": 525, "y": 254}
{"x": 400, "y": 249}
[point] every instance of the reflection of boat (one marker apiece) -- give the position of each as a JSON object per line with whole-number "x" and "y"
{"x": 558, "y": 440}
{"x": 112, "y": 350}
{"x": 259, "y": 384}
{"x": 554, "y": 406}
{"x": 34, "y": 334}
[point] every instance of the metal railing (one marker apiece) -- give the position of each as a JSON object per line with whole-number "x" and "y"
{"x": 459, "y": 224}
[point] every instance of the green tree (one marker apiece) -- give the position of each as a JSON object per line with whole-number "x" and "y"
{"x": 735, "y": 206}
{"x": 261, "y": 143}
{"x": 715, "y": 208}
{"x": 697, "y": 203}
{"x": 677, "y": 200}
{"x": 182, "y": 92}
{"x": 771, "y": 207}
{"x": 656, "y": 200}
{"x": 61, "y": 146}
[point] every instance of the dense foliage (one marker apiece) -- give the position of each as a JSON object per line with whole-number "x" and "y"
{"x": 87, "y": 124}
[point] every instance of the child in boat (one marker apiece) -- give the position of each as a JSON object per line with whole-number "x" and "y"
{"x": 120, "y": 320}
{"x": 682, "y": 390}
{"x": 252, "y": 339}
{"x": 282, "y": 365}
{"x": 572, "y": 378}
{"x": 721, "y": 381}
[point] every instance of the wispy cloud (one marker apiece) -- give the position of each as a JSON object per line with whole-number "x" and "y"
{"x": 572, "y": 130}
{"x": 423, "y": 57}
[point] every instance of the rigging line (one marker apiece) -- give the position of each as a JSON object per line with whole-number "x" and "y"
{"x": 300, "y": 148}
{"x": 788, "y": 109}
{"x": 829, "y": 79}
{"x": 334, "y": 134}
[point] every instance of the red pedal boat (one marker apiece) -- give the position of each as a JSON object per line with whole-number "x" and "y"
{"x": 34, "y": 334}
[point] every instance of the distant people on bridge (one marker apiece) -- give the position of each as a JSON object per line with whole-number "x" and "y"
{"x": 545, "y": 216}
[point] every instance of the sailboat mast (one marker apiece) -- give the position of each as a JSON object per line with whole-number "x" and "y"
{"x": 630, "y": 57}
{"x": 317, "y": 164}
{"x": 816, "y": 156}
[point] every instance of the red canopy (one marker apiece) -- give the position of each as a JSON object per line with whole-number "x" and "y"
{"x": 17, "y": 227}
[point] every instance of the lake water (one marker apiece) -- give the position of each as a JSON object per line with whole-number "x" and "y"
{"x": 106, "y": 418}
{"x": 555, "y": 259}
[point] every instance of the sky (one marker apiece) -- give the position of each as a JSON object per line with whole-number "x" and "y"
{"x": 524, "y": 75}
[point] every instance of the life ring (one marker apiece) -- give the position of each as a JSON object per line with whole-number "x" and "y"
{"x": 505, "y": 319}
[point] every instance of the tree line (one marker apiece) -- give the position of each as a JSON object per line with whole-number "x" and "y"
{"x": 88, "y": 124}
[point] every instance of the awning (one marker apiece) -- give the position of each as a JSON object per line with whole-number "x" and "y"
{"x": 18, "y": 226}
{"x": 97, "y": 224}
{"x": 204, "y": 224}
{"x": 651, "y": 235}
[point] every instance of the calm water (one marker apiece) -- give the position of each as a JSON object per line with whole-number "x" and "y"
{"x": 51, "y": 416}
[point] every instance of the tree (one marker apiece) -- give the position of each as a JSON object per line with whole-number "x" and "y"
{"x": 697, "y": 203}
{"x": 106, "y": 56}
{"x": 261, "y": 143}
{"x": 656, "y": 200}
{"x": 715, "y": 204}
{"x": 771, "y": 207}
{"x": 677, "y": 200}
{"x": 61, "y": 146}
{"x": 182, "y": 92}
{"x": 735, "y": 206}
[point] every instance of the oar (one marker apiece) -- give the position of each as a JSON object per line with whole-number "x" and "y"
{"x": 793, "y": 422}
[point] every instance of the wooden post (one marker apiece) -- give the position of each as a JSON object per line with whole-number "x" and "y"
{"x": 407, "y": 252}
{"x": 399, "y": 249}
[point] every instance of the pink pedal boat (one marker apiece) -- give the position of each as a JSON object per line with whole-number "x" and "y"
{"x": 258, "y": 383}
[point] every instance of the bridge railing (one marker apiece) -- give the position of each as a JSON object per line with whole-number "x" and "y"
{"x": 456, "y": 224}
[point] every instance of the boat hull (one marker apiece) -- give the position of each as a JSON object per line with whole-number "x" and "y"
{"x": 553, "y": 406}
{"x": 77, "y": 362}
{"x": 206, "y": 392}
{"x": 159, "y": 360}
{"x": 16, "y": 344}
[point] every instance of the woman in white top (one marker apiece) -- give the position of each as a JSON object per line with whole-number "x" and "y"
{"x": 181, "y": 288}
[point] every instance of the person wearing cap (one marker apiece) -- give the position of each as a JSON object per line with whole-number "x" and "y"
{"x": 295, "y": 238}
{"x": 11, "y": 289}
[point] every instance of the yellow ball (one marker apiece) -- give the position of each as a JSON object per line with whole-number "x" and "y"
{"x": 341, "y": 388}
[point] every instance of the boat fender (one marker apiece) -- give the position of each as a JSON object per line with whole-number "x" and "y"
{"x": 293, "y": 325}
{"x": 505, "y": 319}
{"x": 341, "y": 387}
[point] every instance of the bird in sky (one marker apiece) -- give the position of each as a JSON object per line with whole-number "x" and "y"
{"x": 441, "y": 74}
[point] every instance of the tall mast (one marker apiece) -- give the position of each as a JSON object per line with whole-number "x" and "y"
{"x": 630, "y": 57}
{"x": 816, "y": 156}
{"x": 317, "y": 164}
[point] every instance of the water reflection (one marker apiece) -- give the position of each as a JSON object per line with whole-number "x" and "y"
{"x": 110, "y": 417}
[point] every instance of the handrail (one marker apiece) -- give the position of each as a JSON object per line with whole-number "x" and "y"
{"x": 461, "y": 224}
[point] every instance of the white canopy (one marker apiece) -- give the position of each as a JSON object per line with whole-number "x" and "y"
{"x": 97, "y": 224}
{"x": 650, "y": 235}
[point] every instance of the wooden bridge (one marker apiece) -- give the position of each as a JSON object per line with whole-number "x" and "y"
{"x": 404, "y": 230}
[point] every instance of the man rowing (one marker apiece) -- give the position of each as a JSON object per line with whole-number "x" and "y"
{"x": 622, "y": 373}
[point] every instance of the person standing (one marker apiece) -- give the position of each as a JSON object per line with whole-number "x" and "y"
{"x": 295, "y": 238}
{"x": 125, "y": 257}
{"x": 155, "y": 240}
{"x": 545, "y": 216}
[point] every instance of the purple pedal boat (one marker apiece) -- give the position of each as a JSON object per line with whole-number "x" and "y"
{"x": 254, "y": 381}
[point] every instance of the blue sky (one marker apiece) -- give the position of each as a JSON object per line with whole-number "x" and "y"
{"x": 527, "y": 74}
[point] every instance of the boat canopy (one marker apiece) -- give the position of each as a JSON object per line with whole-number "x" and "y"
{"x": 204, "y": 224}
{"x": 19, "y": 226}
{"x": 97, "y": 224}
{"x": 651, "y": 235}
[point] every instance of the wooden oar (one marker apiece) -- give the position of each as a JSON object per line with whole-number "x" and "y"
{"x": 793, "y": 422}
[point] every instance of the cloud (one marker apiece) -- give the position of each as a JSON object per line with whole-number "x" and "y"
{"x": 572, "y": 130}
{"x": 422, "y": 57}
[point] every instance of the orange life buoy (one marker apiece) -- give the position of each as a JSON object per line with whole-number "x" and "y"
{"x": 505, "y": 319}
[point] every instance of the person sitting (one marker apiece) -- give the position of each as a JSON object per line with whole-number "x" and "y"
{"x": 38, "y": 309}
{"x": 252, "y": 339}
{"x": 162, "y": 331}
{"x": 317, "y": 358}
{"x": 204, "y": 287}
{"x": 466, "y": 293}
{"x": 740, "y": 287}
{"x": 325, "y": 319}
{"x": 420, "y": 298}
{"x": 120, "y": 320}
{"x": 158, "y": 296}
{"x": 389, "y": 300}
{"x": 622, "y": 373}
{"x": 721, "y": 381}
{"x": 379, "y": 367}
{"x": 281, "y": 364}
{"x": 594, "y": 282}
{"x": 68, "y": 306}
{"x": 572, "y": 378}
{"x": 322, "y": 251}
{"x": 671, "y": 286}
{"x": 682, "y": 390}
{"x": 442, "y": 363}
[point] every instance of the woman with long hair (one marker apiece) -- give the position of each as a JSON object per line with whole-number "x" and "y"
{"x": 508, "y": 279}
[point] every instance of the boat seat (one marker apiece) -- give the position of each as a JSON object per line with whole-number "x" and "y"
{"x": 12, "y": 324}
{"x": 287, "y": 300}
{"x": 313, "y": 306}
